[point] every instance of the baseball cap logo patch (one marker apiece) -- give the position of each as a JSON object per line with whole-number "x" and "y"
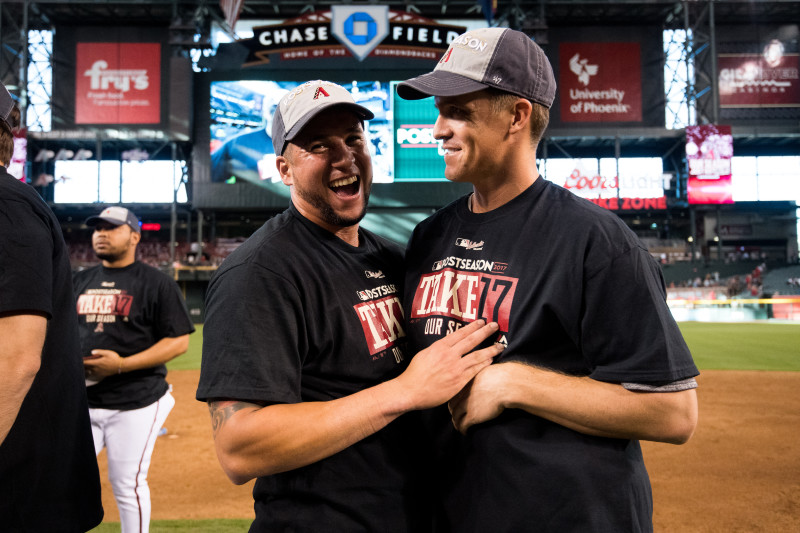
{"x": 297, "y": 108}
{"x": 446, "y": 57}
{"x": 500, "y": 58}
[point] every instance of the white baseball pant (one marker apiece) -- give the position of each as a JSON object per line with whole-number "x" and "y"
{"x": 130, "y": 437}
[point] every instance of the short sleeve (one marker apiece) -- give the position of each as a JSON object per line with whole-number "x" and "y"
{"x": 26, "y": 260}
{"x": 174, "y": 319}
{"x": 627, "y": 330}
{"x": 253, "y": 337}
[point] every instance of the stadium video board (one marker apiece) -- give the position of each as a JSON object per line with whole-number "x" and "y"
{"x": 400, "y": 136}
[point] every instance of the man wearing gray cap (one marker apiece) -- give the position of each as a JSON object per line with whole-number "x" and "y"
{"x": 49, "y": 479}
{"x": 132, "y": 319}
{"x": 304, "y": 367}
{"x": 547, "y": 438}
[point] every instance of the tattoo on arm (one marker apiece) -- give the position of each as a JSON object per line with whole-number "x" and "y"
{"x": 221, "y": 411}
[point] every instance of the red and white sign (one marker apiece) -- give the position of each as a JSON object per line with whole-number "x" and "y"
{"x": 600, "y": 82}
{"x": 709, "y": 151}
{"x": 118, "y": 83}
{"x": 769, "y": 79}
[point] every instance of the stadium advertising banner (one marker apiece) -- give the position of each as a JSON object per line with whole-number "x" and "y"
{"x": 600, "y": 82}
{"x": 117, "y": 83}
{"x": 350, "y": 31}
{"x": 709, "y": 151}
{"x": 632, "y": 183}
{"x": 768, "y": 79}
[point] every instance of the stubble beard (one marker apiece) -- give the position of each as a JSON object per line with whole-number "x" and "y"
{"x": 328, "y": 214}
{"x": 107, "y": 256}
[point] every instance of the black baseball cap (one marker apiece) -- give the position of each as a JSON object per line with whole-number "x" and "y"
{"x": 298, "y": 107}
{"x": 502, "y": 58}
{"x": 116, "y": 215}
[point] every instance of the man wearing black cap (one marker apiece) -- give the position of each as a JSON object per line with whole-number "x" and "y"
{"x": 49, "y": 479}
{"x": 132, "y": 319}
{"x": 547, "y": 438}
{"x": 304, "y": 367}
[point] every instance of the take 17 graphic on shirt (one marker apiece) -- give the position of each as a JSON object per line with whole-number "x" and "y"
{"x": 103, "y": 306}
{"x": 381, "y": 316}
{"x": 460, "y": 291}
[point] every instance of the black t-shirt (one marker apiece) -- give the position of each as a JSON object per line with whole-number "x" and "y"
{"x": 128, "y": 310}
{"x": 49, "y": 479}
{"x": 295, "y": 314}
{"x": 574, "y": 291}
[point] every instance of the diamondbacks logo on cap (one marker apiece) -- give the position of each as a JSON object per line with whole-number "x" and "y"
{"x": 320, "y": 92}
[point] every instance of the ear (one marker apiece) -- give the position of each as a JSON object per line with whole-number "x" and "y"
{"x": 284, "y": 169}
{"x": 522, "y": 116}
{"x": 135, "y": 237}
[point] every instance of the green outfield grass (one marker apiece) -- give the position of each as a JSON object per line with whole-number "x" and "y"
{"x": 184, "y": 526}
{"x": 743, "y": 346}
{"x": 715, "y": 346}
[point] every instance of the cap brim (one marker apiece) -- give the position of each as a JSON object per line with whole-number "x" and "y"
{"x": 438, "y": 83}
{"x": 362, "y": 112}
{"x": 94, "y": 220}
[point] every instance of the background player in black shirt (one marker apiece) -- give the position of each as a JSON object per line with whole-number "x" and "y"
{"x": 133, "y": 319}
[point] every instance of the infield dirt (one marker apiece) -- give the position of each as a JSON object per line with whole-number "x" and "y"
{"x": 739, "y": 473}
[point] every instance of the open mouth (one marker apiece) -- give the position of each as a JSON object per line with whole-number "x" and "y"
{"x": 345, "y": 186}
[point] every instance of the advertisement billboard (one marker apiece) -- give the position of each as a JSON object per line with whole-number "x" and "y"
{"x": 600, "y": 82}
{"x": 709, "y": 151}
{"x": 117, "y": 83}
{"x": 752, "y": 80}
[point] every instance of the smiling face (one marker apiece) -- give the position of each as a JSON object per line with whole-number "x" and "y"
{"x": 329, "y": 169}
{"x": 473, "y": 132}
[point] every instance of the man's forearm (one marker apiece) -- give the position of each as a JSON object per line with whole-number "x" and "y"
{"x": 164, "y": 350}
{"x": 254, "y": 441}
{"x": 20, "y": 358}
{"x": 579, "y": 403}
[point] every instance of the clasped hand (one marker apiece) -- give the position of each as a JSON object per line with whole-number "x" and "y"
{"x": 440, "y": 371}
{"x": 101, "y": 364}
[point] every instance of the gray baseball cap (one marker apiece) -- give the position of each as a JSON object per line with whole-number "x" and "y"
{"x": 6, "y": 105}
{"x": 306, "y": 101}
{"x": 116, "y": 215}
{"x": 502, "y": 58}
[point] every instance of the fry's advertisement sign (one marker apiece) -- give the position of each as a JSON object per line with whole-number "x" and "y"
{"x": 118, "y": 83}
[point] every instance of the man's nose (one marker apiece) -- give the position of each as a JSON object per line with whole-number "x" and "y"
{"x": 441, "y": 129}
